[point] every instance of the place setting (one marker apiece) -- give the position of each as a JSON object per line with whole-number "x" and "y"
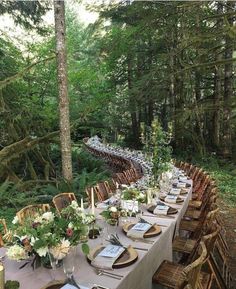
{"x": 141, "y": 231}
{"x": 111, "y": 256}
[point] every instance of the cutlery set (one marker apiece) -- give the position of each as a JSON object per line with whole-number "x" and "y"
{"x": 159, "y": 216}
{"x": 100, "y": 272}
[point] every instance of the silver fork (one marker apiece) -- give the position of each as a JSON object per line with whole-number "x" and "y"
{"x": 100, "y": 272}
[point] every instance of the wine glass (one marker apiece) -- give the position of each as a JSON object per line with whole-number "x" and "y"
{"x": 69, "y": 264}
{"x": 53, "y": 263}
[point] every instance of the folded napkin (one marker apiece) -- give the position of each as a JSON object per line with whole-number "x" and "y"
{"x": 181, "y": 185}
{"x": 175, "y": 191}
{"x": 138, "y": 230}
{"x": 183, "y": 178}
{"x": 171, "y": 199}
{"x": 161, "y": 209}
{"x": 106, "y": 258}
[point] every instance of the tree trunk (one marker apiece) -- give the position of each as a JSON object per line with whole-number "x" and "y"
{"x": 133, "y": 108}
{"x": 228, "y": 87}
{"x": 217, "y": 92}
{"x": 59, "y": 13}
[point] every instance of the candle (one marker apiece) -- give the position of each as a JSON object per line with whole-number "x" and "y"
{"x": 82, "y": 203}
{"x": 117, "y": 185}
{"x": 92, "y": 201}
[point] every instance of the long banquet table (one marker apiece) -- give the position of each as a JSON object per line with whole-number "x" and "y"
{"x": 136, "y": 276}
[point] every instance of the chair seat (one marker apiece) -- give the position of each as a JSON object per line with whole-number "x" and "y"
{"x": 184, "y": 245}
{"x": 192, "y": 213}
{"x": 195, "y": 204}
{"x": 169, "y": 274}
{"x": 189, "y": 225}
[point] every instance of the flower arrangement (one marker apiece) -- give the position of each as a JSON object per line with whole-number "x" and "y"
{"x": 134, "y": 194}
{"x": 50, "y": 232}
{"x": 113, "y": 213}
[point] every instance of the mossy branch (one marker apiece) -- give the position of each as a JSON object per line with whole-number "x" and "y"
{"x": 13, "y": 78}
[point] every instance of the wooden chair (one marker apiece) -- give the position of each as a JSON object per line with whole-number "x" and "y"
{"x": 210, "y": 242}
{"x": 112, "y": 186}
{"x": 122, "y": 178}
{"x": 195, "y": 226}
{"x": 32, "y": 211}
{"x": 1, "y": 241}
{"x": 102, "y": 191}
{"x": 207, "y": 200}
{"x": 223, "y": 261}
{"x": 4, "y": 225}
{"x": 188, "y": 247}
{"x": 63, "y": 200}
{"x": 88, "y": 191}
{"x": 177, "y": 276}
{"x": 3, "y": 231}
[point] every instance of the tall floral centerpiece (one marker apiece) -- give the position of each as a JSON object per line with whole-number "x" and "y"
{"x": 50, "y": 232}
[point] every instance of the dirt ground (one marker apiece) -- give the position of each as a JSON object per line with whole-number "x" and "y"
{"x": 228, "y": 217}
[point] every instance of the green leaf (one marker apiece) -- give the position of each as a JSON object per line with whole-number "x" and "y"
{"x": 85, "y": 248}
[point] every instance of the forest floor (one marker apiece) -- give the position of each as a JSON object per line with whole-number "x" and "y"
{"x": 228, "y": 217}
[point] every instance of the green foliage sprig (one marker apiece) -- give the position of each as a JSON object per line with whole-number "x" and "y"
{"x": 134, "y": 194}
{"x": 156, "y": 142}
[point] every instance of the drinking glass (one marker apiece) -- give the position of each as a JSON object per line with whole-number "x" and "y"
{"x": 141, "y": 208}
{"x": 102, "y": 227}
{"x": 69, "y": 264}
{"x": 112, "y": 227}
{"x": 53, "y": 263}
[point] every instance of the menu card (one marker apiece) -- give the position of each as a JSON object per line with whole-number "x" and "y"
{"x": 161, "y": 209}
{"x": 175, "y": 191}
{"x": 106, "y": 258}
{"x": 138, "y": 230}
{"x": 181, "y": 185}
{"x": 171, "y": 199}
{"x": 111, "y": 251}
{"x": 183, "y": 178}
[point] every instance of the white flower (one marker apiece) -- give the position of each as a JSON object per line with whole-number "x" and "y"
{"x": 38, "y": 219}
{"x": 74, "y": 204}
{"x": 113, "y": 209}
{"x": 16, "y": 252}
{"x": 48, "y": 216}
{"x": 61, "y": 250}
{"x": 141, "y": 196}
{"x": 70, "y": 225}
{"x": 33, "y": 240}
{"x": 42, "y": 251}
{"x": 15, "y": 220}
{"x": 23, "y": 237}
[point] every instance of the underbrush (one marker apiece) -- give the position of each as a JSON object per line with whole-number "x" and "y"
{"x": 87, "y": 172}
{"x": 223, "y": 172}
